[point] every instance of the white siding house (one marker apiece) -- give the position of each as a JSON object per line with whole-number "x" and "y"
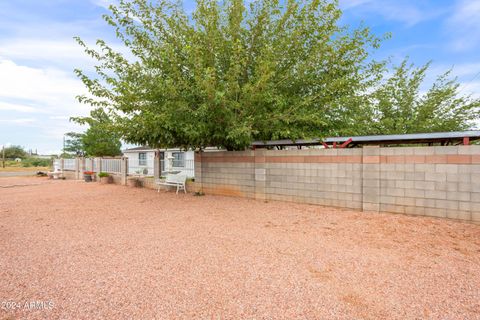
{"x": 141, "y": 161}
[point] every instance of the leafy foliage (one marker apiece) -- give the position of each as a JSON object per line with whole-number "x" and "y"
{"x": 99, "y": 140}
{"x": 74, "y": 144}
{"x": 230, "y": 73}
{"x": 36, "y": 162}
{"x": 400, "y": 105}
{"x": 14, "y": 152}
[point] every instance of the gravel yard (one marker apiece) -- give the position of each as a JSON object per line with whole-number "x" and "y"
{"x": 93, "y": 251}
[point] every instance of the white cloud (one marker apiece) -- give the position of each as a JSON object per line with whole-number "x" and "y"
{"x": 52, "y": 52}
{"x": 19, "y": 121}
{"x": 53, "y": 89}
{"x": 408, "y": 12}
{"x": 463, "y": 26}
{"x": 5, "y": 106}
{"x": 104, "y": 3}
{"x": 47, "y": 94}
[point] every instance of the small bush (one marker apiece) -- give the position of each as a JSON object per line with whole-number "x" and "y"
{"x": 103, "y": 175}
{"x": 36, "y": 162}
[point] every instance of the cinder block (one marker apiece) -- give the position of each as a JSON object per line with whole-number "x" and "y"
{"x": 371, "y": 207}
{"x": 434, "y": 194}
{"x": 475, "y": 197}
{"x": 387, "y": 199}
{"x": 423, "y": 150}
{"x": 434, "y": 176}
{"x": 414, "y": 193}
{"x": 446, "y": 186}
{"x": 415, "y": 210}
{"x": 424, "y": 185}
{"x": 463, "y": 178}
{"x": 464, "y": 206}
{"x": 405, "y": 201}
{"x": 462, "y": 196}
{"x": 460, "y": 215}
{"x": 446, "y": 168}
{"x": 416, "y": 176}
{"x": 447, "y": 204}
{"x": 405, "y": 184}
{"x": 440, "y": 150}
{"x": 436, "y": 212}
{"x": 396, "y": 192}
{"x": 420, "y": 202}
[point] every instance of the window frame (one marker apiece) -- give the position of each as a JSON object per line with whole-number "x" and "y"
{"x": 180, "y": 160}
{"x": 142, "y": 161}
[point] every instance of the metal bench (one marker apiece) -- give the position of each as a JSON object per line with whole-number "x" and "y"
{"x": 173, "y": 180}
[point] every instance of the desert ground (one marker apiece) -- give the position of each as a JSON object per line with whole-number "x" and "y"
{"x": 76, "y": 250}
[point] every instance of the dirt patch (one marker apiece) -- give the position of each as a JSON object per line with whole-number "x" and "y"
{"x": 107, "y": 251}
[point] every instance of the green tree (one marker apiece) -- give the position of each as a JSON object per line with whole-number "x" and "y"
{"x": 230, "y": 73}
{"x": 100, "y": 139}
{"x": 14, "y": 152}
{"x": 73, "y": 144}
{"x": 401, "y": 104}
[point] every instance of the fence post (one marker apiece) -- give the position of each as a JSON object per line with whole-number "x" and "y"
{"x": 61, "y": 164}
{"x": 156, "y": 165}
{"x": 124, "y": 170}
{"x": 77, "y": 176}
{"x": 98, "y": 167}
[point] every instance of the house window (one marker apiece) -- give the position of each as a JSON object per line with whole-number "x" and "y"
{"x": 178, "y": 159}
{"x": 142, "y": 159}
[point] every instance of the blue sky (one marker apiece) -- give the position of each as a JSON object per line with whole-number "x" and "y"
{"x": 38, "y": 54}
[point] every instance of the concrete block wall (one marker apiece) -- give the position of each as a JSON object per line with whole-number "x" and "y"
{"x": 331, "y": 177}
{"x": 431, "y": 181}
{"x": 226, "y": 173}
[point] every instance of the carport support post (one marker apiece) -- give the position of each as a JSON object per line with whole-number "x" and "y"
{"x": 124, "y": 170}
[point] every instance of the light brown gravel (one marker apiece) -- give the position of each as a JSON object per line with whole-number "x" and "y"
{"x": 112, "y": 252}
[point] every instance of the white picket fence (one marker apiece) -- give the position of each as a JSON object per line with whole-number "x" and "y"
{"x": 69, "y": 164}
{"x": 111, "y": 165}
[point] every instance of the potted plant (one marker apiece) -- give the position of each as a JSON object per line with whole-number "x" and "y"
{"x": 87, "y": 176}
{"x": 105, "y": 178}
{"x": 134, "y": 182}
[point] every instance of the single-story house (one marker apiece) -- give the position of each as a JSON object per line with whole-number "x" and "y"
{"x": 141, "y": 161}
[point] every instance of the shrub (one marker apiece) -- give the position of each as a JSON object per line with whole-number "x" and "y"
{"x": 36, "y": 162}
{"x": 103, "y": 175}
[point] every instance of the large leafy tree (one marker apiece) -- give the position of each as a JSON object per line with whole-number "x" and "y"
{"x": 230, "y": 73}
{"x": 99, "y": 140}
{"x": 403, "y": 104}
